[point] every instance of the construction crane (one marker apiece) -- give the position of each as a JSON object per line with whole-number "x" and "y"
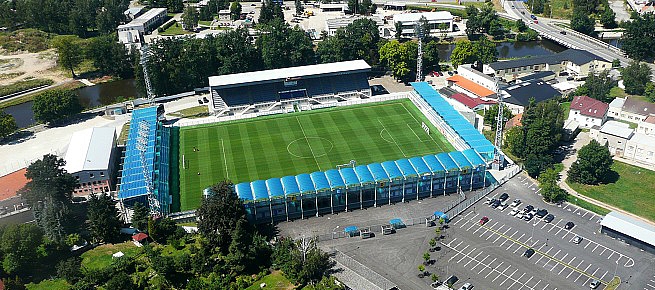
{"x": 498, "y": 141}
{"x": 146, "y": 78}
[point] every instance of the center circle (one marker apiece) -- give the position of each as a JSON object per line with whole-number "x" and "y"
{"x": 310, "y": 147}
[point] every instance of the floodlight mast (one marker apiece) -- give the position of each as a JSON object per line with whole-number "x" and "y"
{"x": 146, "y": 78}
{"x": 498, "y": 141}
{"x": 142, "y": 146}
{"x": 418, "y": 30}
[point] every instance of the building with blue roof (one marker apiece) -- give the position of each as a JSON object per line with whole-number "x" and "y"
{"x": 146, "y": 166}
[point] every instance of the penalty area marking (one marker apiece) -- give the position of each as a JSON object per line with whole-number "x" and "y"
{"x": 394, "y": 140}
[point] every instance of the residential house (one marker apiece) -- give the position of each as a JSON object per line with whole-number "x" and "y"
{"x": 588, "y": 112}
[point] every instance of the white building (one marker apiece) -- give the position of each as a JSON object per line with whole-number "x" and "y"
{"x": 615, "y": 108}
{"x": 224, "y": 15}
{"x": 647, "y": 126}
{"x": 333, "y": 24}
{"x": 588, "y": 112}
{"x": 469, "y": 72}
{"x": 333, "y": 7}
{"x": 640, "y": 148}
{"x": 90, "y": 158}
{"x": 132, "y": 32}
{"x": 435, "y": 19}
{"x": 614, "y": 134}
{"x": 631, "y": 110}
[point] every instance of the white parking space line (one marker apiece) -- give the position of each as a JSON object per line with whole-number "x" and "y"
{"x": 542, "y": 256}
{"x": 493, "y": 269}
{"x": 601, "y": 277}
{"x": 480, "y": 262}
{"x": 564, "y": 257}
{"x": 556, "y": 264}
{"x": 518, "y": 248}
{"x": 500, "y": 273}
{"x": 560, "y": 271}
{"x": 476, "y": 256}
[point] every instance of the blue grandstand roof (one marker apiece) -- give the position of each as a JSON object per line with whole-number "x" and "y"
{"x": 434, "y": 164}
{"x": 290, "y": 185}
{"x": 244, "y": 191}
{"x": 461, "y": 160}
{"x": 406, "y": 167}
{"x": 419, "y": 165}
{"x": 378, "y": 172}
{"x": 320, "y": 181}
{"x": 349, "y": 176}
{"x": 133, "y": 181}
{"x": 305, "y": 183}
{"x": 364, "y": 174}
{"x": 275, "y": 189}
{"x": 447, "y": 161}
{"x": 334, "y": 178}
{"x": 474, "y": 157}
{"x": 259, "y": 189}
{"x": 392, "y": 170}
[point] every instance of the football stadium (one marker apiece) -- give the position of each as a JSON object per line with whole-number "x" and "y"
{"x": 315, "y": 143}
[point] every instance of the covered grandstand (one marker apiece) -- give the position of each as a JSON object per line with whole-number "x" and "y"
{"x": 288, "y": 89}
{"x": 146, "y": 165}
{"x": 304, "y": 195}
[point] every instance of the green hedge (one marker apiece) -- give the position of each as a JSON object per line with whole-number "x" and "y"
{"x": 166, "y": 26}
{"x": 23, "y": 85}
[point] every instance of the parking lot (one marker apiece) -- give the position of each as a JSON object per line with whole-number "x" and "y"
{"x": 491, "y": 254}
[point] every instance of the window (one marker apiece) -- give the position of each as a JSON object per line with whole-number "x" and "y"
{"x": 102, "y": 174}
{"x": 90, "y": 175}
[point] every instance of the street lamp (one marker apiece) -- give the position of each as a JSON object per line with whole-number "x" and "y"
{"x": 333, "y": 231}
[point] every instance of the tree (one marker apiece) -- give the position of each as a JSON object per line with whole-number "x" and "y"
{"x": 55, "y": 105}
{"x": 398, "y": 27}
{"x": 283, "y": 46}
{"x": 358, "y": 40}
{"x": 70, "y": 51}
{"x": 219, "y": 214}
{"x": 424, "y": 26}
{"x": 140, "y": 216}
{"x": 120, "y": 281}
{"x": 491, "y": 115}
{"x": 635, "y": 77}
{"x": 104, "y": 223}
{"x": 235, "y": 10}
{"x": 400, "y": 59}
{"x": 48, "y": 192}
{"x": 110, "y": 56}
{"x": 190, "y": 18}
{"x": 329, "y": 283}
{"x": 270, "y": 11}
{"x": 473, "y": 25}
{"x": 175, "y": 6}
{"x": 638, "y": 38}
{"x": 468, "y": 52}
{"x": 69, "y": 269}
{"x": 536, "y": 6}
{"x": 593, "y": 165}
{"x": 21, "y": 247}
{"x": 616, "y": 63}
{"x": 421, "y": 268}
{"x": 205, "y": 14}
{"x": 550, "y": 191}
{"x": 163, "y": 230}
{"x": 597, "y": 87}
{"x": 368, "y": 7}
{"x": 582, "y": 23}
{"x": 431, "y": 56}
{"x": 521, "y": 26}
{"x": 608, "y": 18}
{"x": 485, "y": 50}
{"x": 426, "y": 257}
{"x": 301, "y": 261}
{"x": 7, "y": 124}
{"x": 299, "y": 8}
{"x": 649, "y": 91}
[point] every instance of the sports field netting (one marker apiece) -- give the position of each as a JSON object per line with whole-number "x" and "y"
{"x": 291, "y": 144}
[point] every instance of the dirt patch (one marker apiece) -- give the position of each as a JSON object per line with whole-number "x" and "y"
{"x": 40, "y": 65}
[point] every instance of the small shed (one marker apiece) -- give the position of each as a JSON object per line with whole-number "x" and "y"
{"x": 224, "y": 15}
{"x": 397, "y": 223}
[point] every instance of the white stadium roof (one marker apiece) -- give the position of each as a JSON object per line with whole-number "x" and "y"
{"x": 630, "y": 226}
{"x": 90, "y": 149}
{"x": 430, "y": 16}
{"x": 288, "y": 73}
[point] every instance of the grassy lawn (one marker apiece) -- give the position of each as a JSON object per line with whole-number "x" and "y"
{"x": 617, "y": 92}
{"x": 205, "y": 22}
{"x": 274, "y": 280}
{"x": 633, "y": 191}
{"x": 101, "y": 256}
{"x": 31, "y": 40}
{"x": 29, "y": 97}
{"x": 558, "y": 11}
{"x": 57, "y": 284}
{"x": 296, "y": 143}
{"x": 175, "y": 29}
{"x": 632, "y": 125}
{"x": 565, "y": 107}
{"x": 193, "y": 112}
{"x": 23, "y": 85}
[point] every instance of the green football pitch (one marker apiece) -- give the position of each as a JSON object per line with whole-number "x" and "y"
{"x": 302, "y": 142}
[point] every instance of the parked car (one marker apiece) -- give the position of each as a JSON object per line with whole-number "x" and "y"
{"x": 503, "y": 206}
{"x": 549, "y": 218}
{"x": 388, "y": 229}
{"x": 467, "y": 286}
{"x": 528, "y": 253}
{"x": 488, "y": 201}
{"x": 366, "y": 233}
{"x": 577, "y": 240}
{"x": 563, "y": 32}
{"x": 514, "y": 211}
{"x": 504, "y": 196}
{"x": 594, "y": 284}
{"x": 515, "y": 203}
{"x": 451, "y": 280}
{"x": 534, "y": 211}
{"x": 528, "y": 216}
{"x": 569, "y": 225}
{"x": 436, "y": 284}
{"x": 520, "y": 215}
{"x": 484, "y": 220}
{"x": 564, "y": 73}
{"x": 450, "y": 73}
{"x": 541, "y": 213}
{"x": 528, "y": 209}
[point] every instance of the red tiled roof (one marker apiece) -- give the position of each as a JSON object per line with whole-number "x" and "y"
{"x": 589, "y": 107}
{"x": 514, "y": 121}
{"x": 470, "y": 86}
{"x": 650, "y": 119}
{"x": 12, "y": 183}
{"x": 469, "y": 101}
{"x": 139, "y": 237}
